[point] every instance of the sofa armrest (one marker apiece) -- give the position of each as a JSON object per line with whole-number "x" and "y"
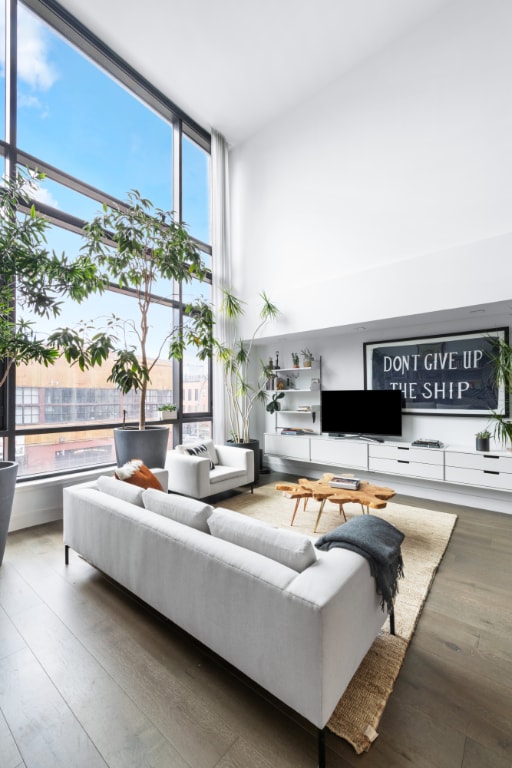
{"x": 188, "y": 475}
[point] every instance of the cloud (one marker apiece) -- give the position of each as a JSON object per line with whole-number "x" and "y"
{"x": 40, "y": 193}
{"x": 34, "y": 66}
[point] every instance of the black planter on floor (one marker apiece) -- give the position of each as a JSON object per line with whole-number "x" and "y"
{"x": 254, "y": 446}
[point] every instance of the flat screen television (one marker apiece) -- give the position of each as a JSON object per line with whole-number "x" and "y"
{"x": 363, "y": 413}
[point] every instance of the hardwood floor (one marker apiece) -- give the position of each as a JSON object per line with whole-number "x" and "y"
{"x": 91, "y": 678}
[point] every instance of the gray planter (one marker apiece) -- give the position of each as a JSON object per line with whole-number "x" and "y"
{"x": 8, "y": 472}
{"x": 149, "y": 445}
{"x": 482, "y": 443}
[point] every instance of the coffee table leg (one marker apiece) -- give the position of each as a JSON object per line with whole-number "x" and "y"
{"x": 322, "y": 504}
{"x": 297, "y": 502}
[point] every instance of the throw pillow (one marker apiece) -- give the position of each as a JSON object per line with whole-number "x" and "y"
{"x": 206, "y": 449}
{"x": 135, "y": 472}
{"x": 183, "y": 510}
{"x": 286, "y": 547}
{"x": 111, "y": 485}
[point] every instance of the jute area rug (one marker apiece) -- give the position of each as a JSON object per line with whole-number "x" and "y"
{"x": 427, "y": 534}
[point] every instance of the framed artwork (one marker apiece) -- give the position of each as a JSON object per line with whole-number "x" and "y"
{"x": 452, "y": 374}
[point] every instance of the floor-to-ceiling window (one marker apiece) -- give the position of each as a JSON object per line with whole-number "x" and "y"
{"x": 97, "y": 130}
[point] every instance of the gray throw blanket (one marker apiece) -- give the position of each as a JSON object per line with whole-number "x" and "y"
{"x": 379, "y": 542}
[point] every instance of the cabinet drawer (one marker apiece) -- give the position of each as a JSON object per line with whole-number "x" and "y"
{"x": 502, "y": 481}
{"x": 484, "y": 461}
{"x": 407, "y": 453}
{"x": 339, "y": 453}
{"x": 290, "y": 446}
{"x": 406, "y": 468}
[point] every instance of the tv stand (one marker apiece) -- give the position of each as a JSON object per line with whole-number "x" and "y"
{"x": 366, "y": 438}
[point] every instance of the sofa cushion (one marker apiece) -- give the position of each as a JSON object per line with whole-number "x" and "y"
{"x": 124, "y": 491}
{"x": 135, "y": 472}
{"x": 286, "y": 547}
{"x": 183, "y": 510}
{"x": 206, "y": 449}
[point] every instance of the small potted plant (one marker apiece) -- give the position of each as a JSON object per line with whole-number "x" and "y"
{"x": 308, "y": 357}
{"x": 482, "y": 440}
{"x": 295, "y": 359}
{"x": 274, "y": 404}
{"x": 168, "y": 411}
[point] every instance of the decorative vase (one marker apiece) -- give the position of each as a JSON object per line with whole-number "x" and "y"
{"x": 150, "y": 445}
{"x": 482, "y": 443}
{"x": 8, "y": 472}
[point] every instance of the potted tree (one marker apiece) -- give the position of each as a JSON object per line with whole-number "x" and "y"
{"x": 141, "y": 247}
{"x": 243, "y": 391}
{"x": 40, "y": 279}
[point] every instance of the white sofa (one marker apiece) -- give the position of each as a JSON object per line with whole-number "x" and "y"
{"x": 296, "y": 620}
{"x": 216, "y": 469}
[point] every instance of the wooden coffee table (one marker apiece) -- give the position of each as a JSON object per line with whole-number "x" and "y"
{"x": 367, "y": 495}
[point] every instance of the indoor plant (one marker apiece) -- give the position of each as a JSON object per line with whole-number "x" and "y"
{"x": 168, "y": 411}
{"x": 308, "y": 357}
{"x": 41, "y": 279}
{"x": 141, "y": 245}
{"x": 482, "y": 440}
{"x": 501, "y": 358}
{"x": 295, "y": 359}
{"x": 236, "y": 357}
{"x": 274, "y": 404}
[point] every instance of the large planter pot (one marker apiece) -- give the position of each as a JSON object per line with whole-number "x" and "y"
{"x": 8, "y": 472}
{"x": 149, "y": 445}
{"x": 254, "y": 446}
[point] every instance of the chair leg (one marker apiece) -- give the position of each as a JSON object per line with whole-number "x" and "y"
{"x": 66, "y": 554}
{"x": 321, "y": 748}
{"x": 392, "y": 621}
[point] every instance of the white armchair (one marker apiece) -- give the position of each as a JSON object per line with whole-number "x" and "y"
{"x": 204, "y": 469}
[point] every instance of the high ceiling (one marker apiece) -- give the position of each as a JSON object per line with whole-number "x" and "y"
{"x": 237, "y": 65}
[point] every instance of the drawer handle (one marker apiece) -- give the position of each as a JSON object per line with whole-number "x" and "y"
{"x": 489, "y": 456}
{"x": 403, "y": 461}
{"x": 490, "y": 472}
{"x": 402, "y": 447}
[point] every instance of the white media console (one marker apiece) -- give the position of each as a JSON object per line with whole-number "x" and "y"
{"x": 463, "y": 467}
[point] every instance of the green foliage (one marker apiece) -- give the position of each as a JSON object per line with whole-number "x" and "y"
{"x": 501, "y": 358}
{"x": 274, "y": 404}
{"x": 236, "y": 358}
{"x": 138, "y": 245}
{"x": 40, "y": 277}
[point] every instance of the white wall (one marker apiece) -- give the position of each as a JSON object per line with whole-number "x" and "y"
{"x": 343, "y": 368}
{"x": 389, "y": 193}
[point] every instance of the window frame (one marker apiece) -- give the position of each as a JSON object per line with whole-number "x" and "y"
{"x": 75, "y": 33}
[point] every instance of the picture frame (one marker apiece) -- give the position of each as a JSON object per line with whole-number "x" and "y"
{"x": 443, "y": 375}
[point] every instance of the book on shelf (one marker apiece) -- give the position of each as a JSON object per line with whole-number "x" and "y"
{"x": 296, "y": 431}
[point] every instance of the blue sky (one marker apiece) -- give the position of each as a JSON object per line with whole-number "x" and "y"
{"x": 74, "y": 116}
